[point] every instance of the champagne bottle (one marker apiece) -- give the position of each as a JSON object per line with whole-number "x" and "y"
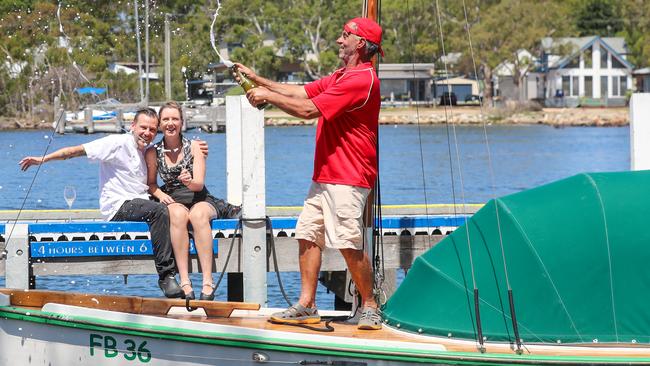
{"x": 247, "y": 84}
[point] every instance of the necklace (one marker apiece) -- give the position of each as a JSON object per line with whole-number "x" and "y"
{"x": 176, "y": 149}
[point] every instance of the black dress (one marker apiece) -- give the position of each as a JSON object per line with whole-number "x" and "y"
{"x": 179, "y": 192}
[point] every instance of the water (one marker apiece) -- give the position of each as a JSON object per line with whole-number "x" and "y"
{"x": 414, "y": 168}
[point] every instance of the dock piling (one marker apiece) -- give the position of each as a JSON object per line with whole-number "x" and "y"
{"x": 17, "y": 270}
{"x": 59, "y": 116}
{"x": 639, "y": 131}
{"x": 88, "y": 119}
{"x": 253, "y": 202}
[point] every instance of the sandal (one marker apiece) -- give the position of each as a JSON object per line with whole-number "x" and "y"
{"x": 296, "y": 314}
{"x": 370, "y": 319}
{"x": 191, "y": 295}
{"x": 209, "y": 296}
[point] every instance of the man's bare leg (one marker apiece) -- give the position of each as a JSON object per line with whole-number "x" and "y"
{"x": 361, "y": 272}
{"x": 310, "y": 262}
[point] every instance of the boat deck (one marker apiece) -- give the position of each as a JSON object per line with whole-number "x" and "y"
{"x": 250, "y": 318}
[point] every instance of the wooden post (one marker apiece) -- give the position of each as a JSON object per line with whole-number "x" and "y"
{"x": 88, "y": 118}
{"x": 59, "y": 116}
{"x": 234, "y": 178}
{"x": 119, "y": 121}
{"x": 246, "y": 186}
{"x": 214, "y": 120}
{"x": 17, "y": 270}
{"x": 233, "y": 149}
{"x": 168, "y": 74}
{"x": 253, "y": 203}
{"x": 640, "y": 131}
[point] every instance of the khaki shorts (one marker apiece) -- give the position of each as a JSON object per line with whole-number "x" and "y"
{"x": 332, "y": 216}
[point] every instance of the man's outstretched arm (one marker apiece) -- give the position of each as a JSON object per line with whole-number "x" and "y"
{"x": 61, "y": 154}
{"x": 297, "y": 107}
{"x": 288, "y": 90}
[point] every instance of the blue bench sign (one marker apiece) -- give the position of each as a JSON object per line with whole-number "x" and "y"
{"x": 98, "y": 248}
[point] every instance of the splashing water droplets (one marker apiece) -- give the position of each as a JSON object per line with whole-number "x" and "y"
{"x": 67, "y": 39}
{"x": 212, "y": 37}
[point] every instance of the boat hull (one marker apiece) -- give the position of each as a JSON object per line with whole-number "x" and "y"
{"x": 71, "y": 335}
{"x": 42, "y": 337}
{"x": 27, "y": 343}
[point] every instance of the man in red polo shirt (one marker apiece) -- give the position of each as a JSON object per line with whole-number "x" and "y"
{"x": 345, "y": 166}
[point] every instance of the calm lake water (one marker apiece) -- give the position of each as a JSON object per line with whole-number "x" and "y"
{"x": 414, "y": 168}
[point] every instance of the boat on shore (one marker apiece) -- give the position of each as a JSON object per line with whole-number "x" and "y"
{"x": 578, "y": 291}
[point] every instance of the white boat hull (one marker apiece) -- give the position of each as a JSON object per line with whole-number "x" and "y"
{"x": 35, "y": 331}
{"x": 57, "y": 342}
{"x": 25, "y": 343}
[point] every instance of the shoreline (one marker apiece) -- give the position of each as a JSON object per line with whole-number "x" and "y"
{"x": 557, "y": 117}
{"x": 464, "y": 115}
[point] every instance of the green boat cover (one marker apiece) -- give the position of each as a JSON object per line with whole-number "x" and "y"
{"x": 577, "y": 255}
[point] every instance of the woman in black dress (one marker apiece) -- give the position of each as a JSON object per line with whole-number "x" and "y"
{"x": 181, "y": 166}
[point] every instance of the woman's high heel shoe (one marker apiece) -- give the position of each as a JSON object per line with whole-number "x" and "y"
{"x": 209, "y": 296}
{"x": 191, "y": 295}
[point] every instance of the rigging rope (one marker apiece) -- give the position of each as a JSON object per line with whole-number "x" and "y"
{"x": 513, "y": 316}
{"x": 4, "y": 253}
{"x": 376, "y": 219}
{"x": 417, "y": 116}
{"x": 479, "y": 331}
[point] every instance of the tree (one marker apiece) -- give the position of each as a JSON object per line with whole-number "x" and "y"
{"x": 309, "y": 31}
{"x": 267, "y": 34}
{"x": 411, "y": 31}
{"x": 636, "y": 30}
{"x": 598, "y": 17}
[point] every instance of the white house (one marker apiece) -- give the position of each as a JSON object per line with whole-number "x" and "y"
{"x": 594, "y": 71}
{"x": 504, "y": 83}
{"x": 406, "y": 82}
{"x": 461, "y": 86}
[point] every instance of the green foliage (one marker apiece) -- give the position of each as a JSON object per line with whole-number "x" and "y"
{"x": 636, "y": 30}
{"x": 598, "y": 17}
{"x": 411, "y": 32}
{"x": 41, "y": 62}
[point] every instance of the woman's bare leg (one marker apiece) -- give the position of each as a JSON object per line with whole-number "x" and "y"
{"x": 200, "y": 216}
{"x": 178, "y": 218}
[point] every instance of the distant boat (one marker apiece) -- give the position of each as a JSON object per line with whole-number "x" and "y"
{"x": 98, "y": 115}
{"x": 103, "y": 111}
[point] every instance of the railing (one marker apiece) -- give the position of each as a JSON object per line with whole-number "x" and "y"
{"x": 111, "y": 118}
{"x": 91, "y": 248}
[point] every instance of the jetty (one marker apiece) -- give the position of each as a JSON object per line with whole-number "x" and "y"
{"x": 47, "y": 242}
{"x": 116, "y": 118}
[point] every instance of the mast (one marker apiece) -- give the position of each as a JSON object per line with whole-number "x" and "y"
{"x": 373, "y": 202}
{"x": 371, "y": 11}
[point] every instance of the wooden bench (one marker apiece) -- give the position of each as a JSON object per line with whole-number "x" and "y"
{"x": 126, "y": 304}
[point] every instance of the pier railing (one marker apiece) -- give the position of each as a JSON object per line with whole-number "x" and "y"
{"x": 94, "y": 248}
{"x": 111, "y": 118}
